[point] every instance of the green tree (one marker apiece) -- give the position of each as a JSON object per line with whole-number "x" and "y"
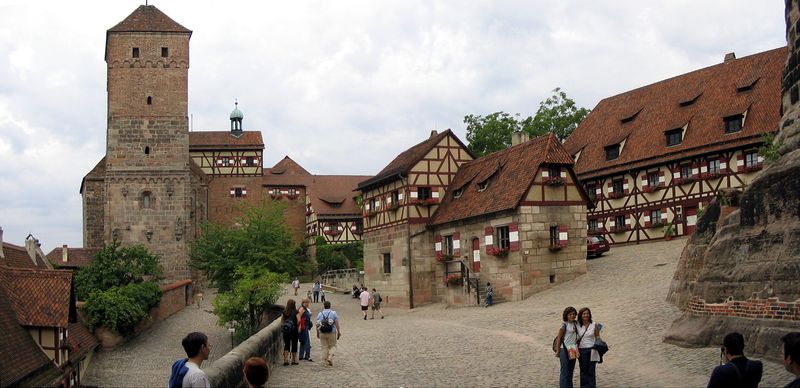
{"x": 258, "y": 238}
{"x": 339, "y": 256}
{"x": 116, "y": 266}
{"x": 558, "y": 114}
{"x": 243, "y": 307}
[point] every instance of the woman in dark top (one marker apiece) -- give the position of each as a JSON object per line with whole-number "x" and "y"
{"x": 290, "y": 331}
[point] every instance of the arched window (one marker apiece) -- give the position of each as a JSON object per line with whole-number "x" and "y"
{"x": 146, "y": 200}
{"x": 149, "y": 100}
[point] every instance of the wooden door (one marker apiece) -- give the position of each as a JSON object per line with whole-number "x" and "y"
{"x": 476, "y": 255}
{"x": 690, "y": 213}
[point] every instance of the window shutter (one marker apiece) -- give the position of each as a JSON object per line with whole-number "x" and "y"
{"x": 723, "y": 164}
{"x": 645, "y": 183}
{"x": 437, "y": 243}
{"x": 647, "y": 220}
{"x": 662, "y": 179}
{"x": 513, "y": 237}
{"x": 563, "y": 235}
{"x": 233, "y": 192}
{"x": 625, "y": 185}
{"x": 740, "y": 162}
{"x": 627, "y": 220}
{"x": 610, "y": 187}
{"x": 488, "y": 239}
{"x": 412, "y": 193}
{"x": 663, "y": 216}
{"x": 457, "y": 244}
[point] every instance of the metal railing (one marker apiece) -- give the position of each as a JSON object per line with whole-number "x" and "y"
{"x": 470, "y": 281}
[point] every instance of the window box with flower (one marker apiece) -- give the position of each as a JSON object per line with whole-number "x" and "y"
{"x": 620, "y": 229}
{"x": 754, "y": 167}
{"x": 497, "y": 252}
{"x": 649, "y": 189}
{"x": 426, "y": 202}
{"x": 334, "y": 232}
{"x": 442, "y": 257}
{"x": 392, "y": 206}
{"x": 554, "y": 247}
{"x": 554, "y": 181}
{"x": 453, "y": 279}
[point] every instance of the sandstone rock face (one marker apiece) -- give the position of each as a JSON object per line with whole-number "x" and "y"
{"x": 740, "y": 272}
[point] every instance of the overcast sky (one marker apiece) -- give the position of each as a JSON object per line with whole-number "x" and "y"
{"x": 340, "y": 86}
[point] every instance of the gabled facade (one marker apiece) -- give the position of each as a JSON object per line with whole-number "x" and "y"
{"x": 398, "y": 203}
{"x": 332, "y": 209}
{"x": 653, "y": 156}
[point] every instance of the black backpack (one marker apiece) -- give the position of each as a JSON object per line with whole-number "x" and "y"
{"x": 288, "y": 326}
{"x": 326, "y": 324}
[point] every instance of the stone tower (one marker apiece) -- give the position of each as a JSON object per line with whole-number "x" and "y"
{"x": 149, "y": 186}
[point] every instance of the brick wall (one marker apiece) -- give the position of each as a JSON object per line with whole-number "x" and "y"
{"x": 769, "y": 308}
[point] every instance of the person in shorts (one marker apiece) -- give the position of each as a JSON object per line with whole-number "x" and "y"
{"x": 364, "y": 297}
{"x": 376, "y": 303}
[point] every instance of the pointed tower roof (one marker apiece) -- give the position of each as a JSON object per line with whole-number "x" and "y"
{"x": 148, "y": 18}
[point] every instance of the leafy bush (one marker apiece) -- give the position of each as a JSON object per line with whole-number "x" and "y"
{"x": 121, "y": 308}
{"x": 770, "y": 149}
{"x": 244, "y": 306}
{"x": 116, "y": 266}
{"x": 339, "y": 256}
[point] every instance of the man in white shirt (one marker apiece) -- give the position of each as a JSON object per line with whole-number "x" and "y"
{"x": 197, "y": 349}
{"x": 364, "y": 296}
{"x": 296, "y": 285}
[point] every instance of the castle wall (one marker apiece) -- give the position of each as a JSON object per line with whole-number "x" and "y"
{"x": 93, "y": 196}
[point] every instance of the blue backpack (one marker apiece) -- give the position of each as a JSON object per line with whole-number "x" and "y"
{"x": 179, "y": 370}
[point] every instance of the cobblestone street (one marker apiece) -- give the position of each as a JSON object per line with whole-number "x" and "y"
{"x": 505, "y": 345}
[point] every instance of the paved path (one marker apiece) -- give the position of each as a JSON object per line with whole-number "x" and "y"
{"x": 506, "y": 345}
{"x": 146, "y": 360}
{"x": 509, "y": 344}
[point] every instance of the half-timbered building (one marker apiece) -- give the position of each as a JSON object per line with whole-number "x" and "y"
{"x": 332, "y": 210}
{"x": 397, "y": 205}
{"x": 650, "y": 158}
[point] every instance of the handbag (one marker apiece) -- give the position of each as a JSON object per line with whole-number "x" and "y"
{"x": 572, "y": 350}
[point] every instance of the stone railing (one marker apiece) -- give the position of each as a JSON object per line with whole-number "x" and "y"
{"x": 342, "y": 278}
{"x": 228, "y": 371}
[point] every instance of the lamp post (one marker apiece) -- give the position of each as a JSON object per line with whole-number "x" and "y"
{"x": 232, "y": 330}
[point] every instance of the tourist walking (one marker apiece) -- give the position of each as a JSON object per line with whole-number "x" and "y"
{"x": 737, "y": 370}
{"x": 289, "y": 328}
{"x": 376, "y": 303}
{"x": 305, "y": 327}
{"x": 256, "y": 372}
{"x": 328, "y": 331}
{"x": 566, "y": 343}
{"x": 364, "y": 297}
{"x": 790, "y": 350}
{"x": 588, "y": 332}
{"x": 489, "y": 295}
{"x": 317, "y": 286}
{"x": 296, "y": 285}
{"x": 322, "y": 295}
{"x": 186, "y": 372}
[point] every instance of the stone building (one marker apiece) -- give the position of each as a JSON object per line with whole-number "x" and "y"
{"x": 439, "y": 224}
{"x": 739, "y": 271}
{"x": 655, "y": 155}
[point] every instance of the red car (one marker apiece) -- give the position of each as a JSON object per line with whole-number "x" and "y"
{"x": 596, "y": 246}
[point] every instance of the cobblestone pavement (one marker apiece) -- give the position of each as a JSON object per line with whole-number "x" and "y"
{"x": 509, "y": 344}
{"x": 145, "y": 361}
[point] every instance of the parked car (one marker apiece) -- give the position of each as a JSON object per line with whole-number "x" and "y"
{"x": 596, "y": 246}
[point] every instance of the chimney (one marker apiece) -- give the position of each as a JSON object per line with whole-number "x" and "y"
{"x": 519, "y": 137}
{"x": 2, "y": 255}
{"x": 730, "y": 56}
{"x": 30, "y": 246}
{"x": 434, "y": 133}
{"x": 64, "y": 253}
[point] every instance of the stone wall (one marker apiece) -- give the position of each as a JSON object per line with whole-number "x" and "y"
{"x": 394, "y": 285}
{"x": 228, "y": 370}
{"x": 93, "y": 196}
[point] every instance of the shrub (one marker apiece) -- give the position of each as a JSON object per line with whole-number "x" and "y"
{"x": 116, "y": 266}
{"x": 121, "y": 308}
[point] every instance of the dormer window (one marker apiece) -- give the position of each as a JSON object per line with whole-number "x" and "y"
{"x": 674, "y": 137}
{"x": 482, "y": 186}
{"x": 630, "y": 117}
{"x": 690, "y": 100}
{"x": 458, "y": 193}
{"x": 612, "y": 151}
{"x": 734, "y": 123}
{"x": 747, "y": 85}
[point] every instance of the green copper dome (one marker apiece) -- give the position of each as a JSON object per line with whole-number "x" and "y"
{"x": 236, "y": 113}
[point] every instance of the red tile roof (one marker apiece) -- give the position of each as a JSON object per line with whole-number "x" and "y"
{"x": 509, "y": 172}
{"x": 17, "y": 257}
{"x": 287, "y": 166}
{"x": 23, "y": 361}
{"x": 408, "y": 158}
{"x": 332, "y": 195}
{"x": 659, "y": 110}
{"x": 76, "y": 257}
{"x": 81, "y": 341}
{"x": 247, "y": 140}
{"x": 148, "y": 18}
{"x": 39, "y": 297}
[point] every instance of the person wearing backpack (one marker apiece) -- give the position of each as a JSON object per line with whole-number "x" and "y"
{"x": 291, "y": 331}
{"x": 305, "y": 327}
{"x": 565, "y": 346}
{"x": 186, "y": 372}
{"x": 328, "y": 332}
{"x": 376, "y": 303}
{"x": 738, "y": 371}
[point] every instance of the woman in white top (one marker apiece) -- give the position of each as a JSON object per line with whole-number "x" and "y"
{"x": 588, "y": 331}
{"x": 567, "y": 341}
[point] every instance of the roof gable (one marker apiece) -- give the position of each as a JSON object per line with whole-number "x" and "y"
{"x": 204, "y": 140}
{"x": 76, "y": 257}
{"x": 701, "y": 99}
{"x": 148, "y": 18}
{"x": 287, "y": 166}
{"x": 18, "y": 257}
{"x": 332, "y": 195}
{"x": 507, "y": 175}
{"x": 39, "y": 297}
